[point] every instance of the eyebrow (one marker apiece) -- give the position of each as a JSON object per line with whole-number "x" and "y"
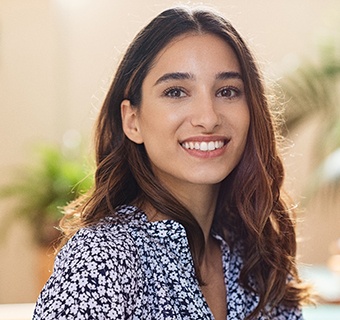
{"x": 175, "y": 76}
{"x": 189, "y": 76}
{"x": 228, "y": 75}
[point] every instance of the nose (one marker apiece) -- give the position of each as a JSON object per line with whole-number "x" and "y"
{"x": 205, "y": 114}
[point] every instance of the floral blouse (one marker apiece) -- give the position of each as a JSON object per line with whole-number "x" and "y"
{"x": 130, "y": 268}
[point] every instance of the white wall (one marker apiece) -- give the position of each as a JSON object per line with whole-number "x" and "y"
{"x": 56, "y": 60}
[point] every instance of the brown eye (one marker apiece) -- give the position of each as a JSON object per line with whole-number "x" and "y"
{"x": 175, "y": 93}
{"x": 228, "y": 92}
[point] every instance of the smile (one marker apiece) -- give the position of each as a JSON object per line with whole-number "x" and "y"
{"x": 203, "y": 146}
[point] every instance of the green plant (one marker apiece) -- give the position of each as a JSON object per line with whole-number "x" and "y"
{"x": 312, "y": 91}
{"x": 41, "y": 189}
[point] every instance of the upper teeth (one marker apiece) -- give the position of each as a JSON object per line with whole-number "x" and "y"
{"x": 203, "y": 146}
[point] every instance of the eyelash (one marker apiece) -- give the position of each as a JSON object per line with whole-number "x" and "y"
{"x": 169, "y": 91}
{"x": 172, "y": 91}
{"x": 236, "y": 91}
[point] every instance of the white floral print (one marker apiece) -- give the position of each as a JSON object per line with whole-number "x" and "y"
{"x": 129, "y": 268}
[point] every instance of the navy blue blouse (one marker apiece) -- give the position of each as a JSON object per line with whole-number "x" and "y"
{"x": 130, "y": 268}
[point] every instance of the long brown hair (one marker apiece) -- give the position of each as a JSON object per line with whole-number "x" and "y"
{"x": 250, "y": 205}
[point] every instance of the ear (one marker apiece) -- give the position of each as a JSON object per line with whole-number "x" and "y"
{"x": 130, "y": 122}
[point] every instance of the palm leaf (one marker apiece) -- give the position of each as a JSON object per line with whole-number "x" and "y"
{"x": 312, "y": 91}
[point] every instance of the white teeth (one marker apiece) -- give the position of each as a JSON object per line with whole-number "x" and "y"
{"x": 203, "y": 146}
{"x": 211, "y": 145}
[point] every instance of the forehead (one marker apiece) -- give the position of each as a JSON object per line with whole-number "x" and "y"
{"x": 196, "y": 53}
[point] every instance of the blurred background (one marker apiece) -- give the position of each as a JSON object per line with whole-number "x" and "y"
{"x": 57, "y": 58}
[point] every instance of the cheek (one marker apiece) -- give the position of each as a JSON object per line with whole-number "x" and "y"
{"x": 241, "y": 122}
{"x": 241, "y": 125}
{"x": 156, "y": 133}
{"x": 160, "y": 122}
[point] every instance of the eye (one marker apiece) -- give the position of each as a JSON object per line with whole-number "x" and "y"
{"x": 229, "y": 92}
{"x": 175, "y": 92}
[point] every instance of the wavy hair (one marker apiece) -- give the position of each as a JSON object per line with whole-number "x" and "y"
{"x": 250, "y": 206}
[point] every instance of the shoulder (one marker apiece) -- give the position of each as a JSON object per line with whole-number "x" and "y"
{"x": 110, "y": 239}
{"x": 282, "y": 312}
{"x": 96, "y": 271}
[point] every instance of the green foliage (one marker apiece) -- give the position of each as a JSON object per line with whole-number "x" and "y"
{"x": 41, "y": 190}
{"x": 312, "y": 91}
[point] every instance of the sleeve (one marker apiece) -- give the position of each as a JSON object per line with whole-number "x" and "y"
{"x": 93, "y": 278}
{"x": 286, "y": 313}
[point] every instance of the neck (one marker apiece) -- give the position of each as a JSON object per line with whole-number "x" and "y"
{"x": 201, "y": 201}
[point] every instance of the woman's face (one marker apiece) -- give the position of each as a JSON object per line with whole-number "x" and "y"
{"x": 193, "y": 119}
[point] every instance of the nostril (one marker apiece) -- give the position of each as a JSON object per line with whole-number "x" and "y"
{"x": 206, "y": 120}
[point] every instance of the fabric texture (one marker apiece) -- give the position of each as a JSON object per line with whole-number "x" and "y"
{"x": 130, "y": 268}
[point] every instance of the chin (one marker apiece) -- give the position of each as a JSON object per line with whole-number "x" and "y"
{"x": 206, "y": 178}
{"x": 209, "y": 180}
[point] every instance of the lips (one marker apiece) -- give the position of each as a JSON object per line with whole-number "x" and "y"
{"x": 205, "y": 146}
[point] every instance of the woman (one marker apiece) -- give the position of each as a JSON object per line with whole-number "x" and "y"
{"x": 186, "y": 219}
